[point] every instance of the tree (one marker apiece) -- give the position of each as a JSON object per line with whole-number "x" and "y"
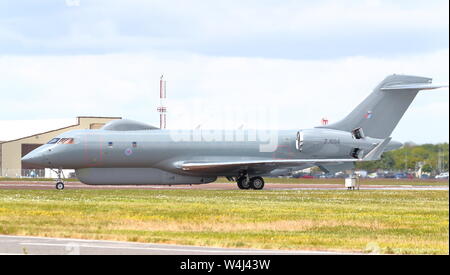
{"x": 410, "y": 156}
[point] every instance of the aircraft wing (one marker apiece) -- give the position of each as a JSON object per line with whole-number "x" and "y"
{"x": 271, "y": 164}
{"x": 266, "y": 165}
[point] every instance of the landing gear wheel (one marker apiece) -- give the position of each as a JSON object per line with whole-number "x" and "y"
{"x": 257, "y": 183}
{"x": 59, "y": 186}
{"x": 243, "y": 183}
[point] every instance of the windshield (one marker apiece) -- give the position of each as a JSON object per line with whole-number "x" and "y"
{"x": 53, "y": 141}
{"x": 66, "y": 141}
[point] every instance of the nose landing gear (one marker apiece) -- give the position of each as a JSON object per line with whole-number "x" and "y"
{"x": 59, "y": 180}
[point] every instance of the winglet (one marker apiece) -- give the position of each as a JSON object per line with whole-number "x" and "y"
{"x": 375, "y": 153}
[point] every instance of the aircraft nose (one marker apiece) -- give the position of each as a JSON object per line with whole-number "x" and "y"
{"x": 34, "y": 158}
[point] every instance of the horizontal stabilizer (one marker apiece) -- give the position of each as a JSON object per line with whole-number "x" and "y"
{"x": 413, "y": 86}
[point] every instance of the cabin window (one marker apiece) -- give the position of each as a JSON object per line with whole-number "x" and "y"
{"x": 66, "y": 141}
{"x": 53, "y": 141}
{"x": 134, "y": 144}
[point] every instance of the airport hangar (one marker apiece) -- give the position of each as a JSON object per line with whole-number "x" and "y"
{"x": 12, "y": 151}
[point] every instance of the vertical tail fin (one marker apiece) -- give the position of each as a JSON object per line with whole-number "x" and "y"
{"x": 380, "y": 112}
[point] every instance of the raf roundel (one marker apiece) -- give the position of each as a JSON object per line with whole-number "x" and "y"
{"x": 368, "y": 115}
{"x": 128, "y": 152}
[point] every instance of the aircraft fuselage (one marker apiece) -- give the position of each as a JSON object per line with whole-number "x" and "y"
{"x": 164, "y": 149}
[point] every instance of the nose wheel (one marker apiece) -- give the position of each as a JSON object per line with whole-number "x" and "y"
{"x": 59, "y": 186}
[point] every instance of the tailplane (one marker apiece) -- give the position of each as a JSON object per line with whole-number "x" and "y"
{"x": 380, "y": 112}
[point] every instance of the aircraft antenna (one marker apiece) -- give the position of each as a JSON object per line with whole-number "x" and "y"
{"x": 162, "y": 109}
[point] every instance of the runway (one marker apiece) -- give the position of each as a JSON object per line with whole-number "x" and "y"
{"x": 40, "y": 185}
{"x": 57, "y": 246}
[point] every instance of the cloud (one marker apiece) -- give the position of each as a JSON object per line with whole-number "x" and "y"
{"x": 267, "y": 29}
{"x": 225, "y": 60}
{"x": 73, "y": 3}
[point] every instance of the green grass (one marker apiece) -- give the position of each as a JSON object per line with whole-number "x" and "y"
{"x": 400, "y": 222}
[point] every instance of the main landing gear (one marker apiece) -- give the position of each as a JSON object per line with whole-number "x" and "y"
{"x": 245, "y": 182}
{"x": 59, "y": 180}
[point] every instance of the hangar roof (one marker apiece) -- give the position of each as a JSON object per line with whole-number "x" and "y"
{"x": 17, "y": 129}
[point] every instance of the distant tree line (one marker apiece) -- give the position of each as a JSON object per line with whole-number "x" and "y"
{"x": 433, "y": 158}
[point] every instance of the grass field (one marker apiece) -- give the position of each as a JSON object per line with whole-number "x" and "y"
{"x": 400, "y": 222}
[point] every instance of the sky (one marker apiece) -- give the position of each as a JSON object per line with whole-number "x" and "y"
{"x": 228, "y": 64}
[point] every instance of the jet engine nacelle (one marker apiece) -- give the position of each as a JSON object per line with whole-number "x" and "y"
{"x": 333, "y": 143}
{"x": 136, "y": 176}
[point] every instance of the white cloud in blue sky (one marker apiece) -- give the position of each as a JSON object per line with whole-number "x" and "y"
{"x": 309, "y": 58}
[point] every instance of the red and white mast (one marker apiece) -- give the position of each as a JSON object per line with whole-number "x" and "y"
{"x": 162, "y": 109}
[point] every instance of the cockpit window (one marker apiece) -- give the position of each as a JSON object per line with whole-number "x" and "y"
{"x": 66, "y": 141}
{"x": 53, "y": 141}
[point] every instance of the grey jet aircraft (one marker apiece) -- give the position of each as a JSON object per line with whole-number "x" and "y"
{"x": 126, "y": 152}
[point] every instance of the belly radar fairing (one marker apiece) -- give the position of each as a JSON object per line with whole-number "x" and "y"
{"x": 128, "y": 152}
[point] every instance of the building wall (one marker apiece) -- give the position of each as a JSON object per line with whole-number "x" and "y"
{"x": 11, "y": 151}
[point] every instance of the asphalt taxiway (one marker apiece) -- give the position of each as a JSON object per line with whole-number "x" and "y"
{"x": 41, "y": 185}
{"x": 19, "y": 245}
